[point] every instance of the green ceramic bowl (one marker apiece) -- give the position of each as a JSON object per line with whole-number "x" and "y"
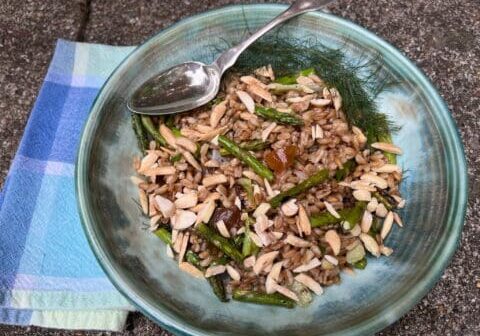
{"x": 135, "y": 261}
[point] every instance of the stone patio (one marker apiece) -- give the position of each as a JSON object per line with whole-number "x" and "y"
{"x": 441, "y": 36}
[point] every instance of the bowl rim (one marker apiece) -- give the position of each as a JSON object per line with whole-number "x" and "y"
{"x": 404, "y": 304}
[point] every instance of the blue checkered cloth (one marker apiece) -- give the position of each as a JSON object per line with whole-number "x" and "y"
{"x": 48, "y": 275}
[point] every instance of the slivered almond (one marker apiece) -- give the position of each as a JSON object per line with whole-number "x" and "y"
{"x": 174, "y": 236}
{"x": 214, "y": 141}
{"x": 362, "y": 185}
{"x": 290, "y": 208}
{"x": 370, "y": 244}
{"x": 333, "y": 239}
{"x": 304, "y": 80}
{"x": 386, "y": 251}
{"x": 247, "y": 100}
{"x": 387, "y": 147}
{"x": 387, "y": 168}
{"x": 143, "y": 201}
{"x": 314, "y": 133}
{"x": 362, "y": 195}
{"x": 178, "y": 242}
{"x": 186, "y": 201}
{"x": 166, "y": 207}
{"x": 375, "y": 180}
{"x": 286, "y": 292}
{"x": 397, "y": 219}
{"x": 218, "y": 111}
{"x": 268, "y": 188}
{"x": 233, "y": 273}
{"x": 187, "y": 144}
{"x": 331, "y": 209}
{"x": 214, "y": 270}
{"x": 255, "y": 238}
{"x": 183, "y": 247}
{"x": 262, "y": 223}
{"x": 190, "y": 269}
{"x": 250, "y": 80}
{"x": 381, "y": 210}
{"x": 387, "y": 225}
{"x": 222, "y": 229}
{"x": 318, "y": 132}
{"x": 160, "y": 171}
{"x": 356, "y": 230}
{"x": 309, "y": 283}
{"x": 206, "y": 211}
{"x": 260, "y": 92}
{"x": 361, "y": 138}
{"x": 272, "y": 277}
{"x": 212, "y": 180}
{"x": 263, "y": 261}
{"x": 184, "y": 219}
{"x": 367, "y": 220}
{"x": 320, "y": 102}
{"x": 299, "y": 99}
{"x": 326, "y": 93}
{"x": 190, "y": 159}
{"x": 295, "y": 241}
{"x": 262, "y": 209}
{"x": 266, "y": 132}
{"x": 304, "y": 221}
{"x": 307, "y": 267}
{"x": 148, "y": 161}
{"x": 250, "y": 261}
{"x": 331, "y": 259}
{"x": 238, "y": 203}
{"x": 337, "y": 99}
{"x": 252, "y": 176}
{"x": 372, "y": 205}
{"x": 154, "y": 222}
{"x": 168, "y": 135}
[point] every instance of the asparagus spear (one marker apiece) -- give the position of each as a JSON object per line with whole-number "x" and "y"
{"x": 175, "y": 158}
{"x": 164, "y": 235}
{"x": 350, "y": 215}
{"x": 382, "y": 199}
{"x": 247, "y": 186}
{"x": 280, "y": 117}
{"x": 361, "y": 264}
{"x": 292, "y": 79}
{"x": 139, "y": 132}
{"x": 347, "y": 168}
{"x": 223, "y": 244}
{"x": 254, "y": 145}
{"x": 310, "y": 182}
{"x": 248, "y": 247}
{"x": 275, "y": 299}
{"x": 245, "y": 157}
{"x": 150, "y": 127}
{"x": 214, "y": 281}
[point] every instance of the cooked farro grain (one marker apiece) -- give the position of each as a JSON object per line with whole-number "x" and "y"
{"x": 219, "y": 201}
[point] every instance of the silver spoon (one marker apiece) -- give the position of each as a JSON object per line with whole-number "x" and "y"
{"x": 193, "y": 84}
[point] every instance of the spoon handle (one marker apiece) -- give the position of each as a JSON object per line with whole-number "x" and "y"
{"x": 229, "y": 57}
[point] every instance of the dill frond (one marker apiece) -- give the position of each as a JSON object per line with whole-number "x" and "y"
{"x": 358, "y": 83}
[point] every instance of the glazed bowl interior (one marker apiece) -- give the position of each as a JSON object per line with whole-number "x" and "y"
{"x": 135, "y": 260}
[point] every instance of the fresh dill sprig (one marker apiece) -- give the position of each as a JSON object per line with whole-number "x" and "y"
{"x": 358, "y": 84}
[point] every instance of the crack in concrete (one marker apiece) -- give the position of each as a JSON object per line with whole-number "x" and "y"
{"x": 86, "y": 8}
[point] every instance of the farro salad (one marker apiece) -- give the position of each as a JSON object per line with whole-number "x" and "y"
{"x": 268, "y": 192}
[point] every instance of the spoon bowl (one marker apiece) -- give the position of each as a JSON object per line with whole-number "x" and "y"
{"x": 180, "y": 88}
{"x": 193, "y": 84}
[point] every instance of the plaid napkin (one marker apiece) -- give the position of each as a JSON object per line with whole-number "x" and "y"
{"x": 48, "y": 274}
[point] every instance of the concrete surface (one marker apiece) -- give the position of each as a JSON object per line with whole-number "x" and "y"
{"x": 441, "y": 36}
